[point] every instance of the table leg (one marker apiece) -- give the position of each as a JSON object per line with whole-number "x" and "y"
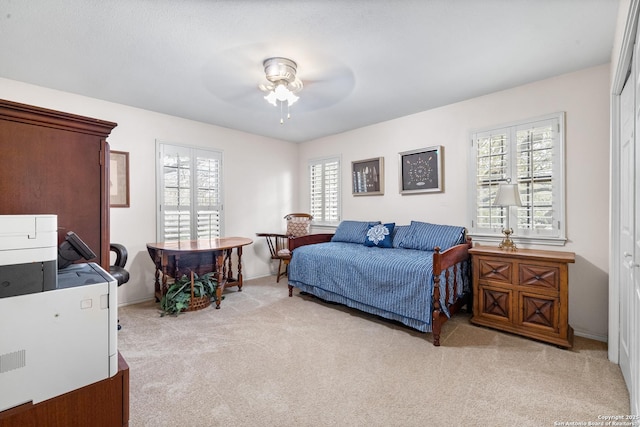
{"x": 163, "y": 287}
{"x": 239, "y": 250}
{"x": 157, "y": 284}
{"x": 219, "y": 277}
{"x": 176, "y": 275}
{"x": 226, "y": 266}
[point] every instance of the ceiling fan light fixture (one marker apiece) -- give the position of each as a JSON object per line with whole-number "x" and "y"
{"x": 282, "y": 83}
{"x": 272, "y": 99}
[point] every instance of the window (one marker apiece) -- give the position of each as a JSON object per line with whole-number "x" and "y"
{"x": 324, "y": 190}
{"x": 531, "y": 154}
{"x": 189, "y": 193}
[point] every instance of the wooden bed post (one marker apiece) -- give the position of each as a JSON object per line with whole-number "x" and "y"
{"x": 449, "y": 258}
{"x": 436, "y": 326}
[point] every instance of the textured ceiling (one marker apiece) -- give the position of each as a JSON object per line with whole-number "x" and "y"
{"x": 361, "y": 61}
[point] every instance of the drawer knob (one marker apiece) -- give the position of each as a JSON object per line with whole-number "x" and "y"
{"x": 495, "y": 303}
{"x": 494, "y": 271}
{"x": 537, "y": 277}
{"x": 537, "y": 311}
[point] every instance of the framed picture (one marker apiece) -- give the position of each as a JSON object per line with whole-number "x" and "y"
{"x": 119, "y": 179}
{"x": 368, "y": 177}
{"x": 421, "y": 170}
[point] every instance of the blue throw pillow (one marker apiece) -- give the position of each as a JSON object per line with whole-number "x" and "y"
{"x": 399, "y": 234}
{"x": 352, "y": 231}
{"x": 424, "y": 236}
{"x": 380, "y": 235}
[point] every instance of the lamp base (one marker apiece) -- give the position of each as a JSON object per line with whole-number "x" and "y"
{"x": 507, "y": 244}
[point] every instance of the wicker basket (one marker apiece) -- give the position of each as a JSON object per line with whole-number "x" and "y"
{"x": 198, "y": 303}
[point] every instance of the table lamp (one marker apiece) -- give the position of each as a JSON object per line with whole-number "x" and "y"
{"x": 507, "y": 196}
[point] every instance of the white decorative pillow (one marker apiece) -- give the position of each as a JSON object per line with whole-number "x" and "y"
{"x": 299, "y": 227}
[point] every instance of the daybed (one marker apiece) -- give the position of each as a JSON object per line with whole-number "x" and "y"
{"x": 417, "y": 274}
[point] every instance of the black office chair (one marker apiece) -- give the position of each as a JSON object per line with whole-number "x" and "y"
{"x": 117, "y": 269}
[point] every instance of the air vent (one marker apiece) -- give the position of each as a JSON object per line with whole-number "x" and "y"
{"x": 11, "y": 361}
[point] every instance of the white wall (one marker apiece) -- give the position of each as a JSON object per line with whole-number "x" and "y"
{"x": 259, "y": 177}
{"x": 583, "y": 95}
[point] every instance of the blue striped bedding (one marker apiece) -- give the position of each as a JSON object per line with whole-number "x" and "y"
{"x": 394, "y": 283}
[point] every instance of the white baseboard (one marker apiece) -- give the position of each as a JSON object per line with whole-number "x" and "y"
{"x": 595, "y": 337}
{"x": 137, "y": 301}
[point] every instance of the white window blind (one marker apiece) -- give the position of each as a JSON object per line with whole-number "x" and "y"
{"x": 531, "y": 154}
{"x": 189, "y": 193}
{"x": 324, "y": 190}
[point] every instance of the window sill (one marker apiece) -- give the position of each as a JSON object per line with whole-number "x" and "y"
{"x": 519, "y": 240}
{"x": 324, "y": 227}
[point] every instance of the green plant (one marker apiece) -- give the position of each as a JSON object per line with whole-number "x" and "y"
{"x": 178, "y": 295}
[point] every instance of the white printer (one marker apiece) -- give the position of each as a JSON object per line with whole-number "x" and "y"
{"x": 54, "y": 337}
{"x": 28, "y": 254}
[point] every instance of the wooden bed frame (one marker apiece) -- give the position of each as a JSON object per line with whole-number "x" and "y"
{"x": 442, "y": 261}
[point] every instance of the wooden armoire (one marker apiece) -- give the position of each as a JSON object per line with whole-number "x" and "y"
{"x": 57, "y": 163}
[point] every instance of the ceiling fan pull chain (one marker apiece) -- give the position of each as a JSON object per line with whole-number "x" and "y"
{"x": 281, "y": 120}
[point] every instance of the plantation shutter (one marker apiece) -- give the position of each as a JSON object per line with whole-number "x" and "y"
{"x": 537, "y": 145}
{"x": 208, "y": 202}
{"x": 492, "y": 168}
{"x": 530, "y": 154}
{"x": 189, "y": 193}
{"x": 324, "y": 190}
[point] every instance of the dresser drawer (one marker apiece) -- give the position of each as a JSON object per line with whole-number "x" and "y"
{"x": 496, "y": 303}
{"x": 538, "y": 312}
{"x": 495, "y": 270}
{"x": 539, "y": 276}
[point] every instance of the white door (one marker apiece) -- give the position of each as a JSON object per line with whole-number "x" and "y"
{"x": 634, "y": 305}
{"x": 627, "y": 220}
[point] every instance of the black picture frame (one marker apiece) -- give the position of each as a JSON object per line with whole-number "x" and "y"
{"x": 421, "y": 170}
{"x": 367, "y": 177}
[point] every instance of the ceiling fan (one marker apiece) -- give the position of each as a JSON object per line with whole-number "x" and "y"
{"x": 282, "y": 85}
{"x": 233, "y": 74}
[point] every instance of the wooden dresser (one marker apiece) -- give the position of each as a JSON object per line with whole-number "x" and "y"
{"x": 525, "y": 292}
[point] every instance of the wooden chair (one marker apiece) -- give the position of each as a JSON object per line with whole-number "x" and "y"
{"x": 298, "y": 224}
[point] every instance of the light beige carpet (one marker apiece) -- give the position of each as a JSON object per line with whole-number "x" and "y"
{"x": 265, "y": 359}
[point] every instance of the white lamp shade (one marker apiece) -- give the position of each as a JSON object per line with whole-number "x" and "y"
{"x": 282, "y": 94}
{"x": 508, "y": 195}
{"x": 271, "y": 98}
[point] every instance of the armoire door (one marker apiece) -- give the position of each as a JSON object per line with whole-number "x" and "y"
{"x": 57, "y": 163}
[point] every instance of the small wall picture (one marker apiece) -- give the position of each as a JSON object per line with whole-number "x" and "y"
{"x": 119, "y": 179}
{"x": 368, "y": 177}
{"x": 421, "y": 170}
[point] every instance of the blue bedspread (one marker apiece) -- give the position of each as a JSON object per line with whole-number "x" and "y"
{"x": 393, "y": 283}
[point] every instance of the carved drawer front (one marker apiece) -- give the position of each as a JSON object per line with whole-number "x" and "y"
{"x": 496, "y": 303}
{"x": 539, "y": 275}
{"x": 539, "y": 312}
{"x": 496, "y": 270}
